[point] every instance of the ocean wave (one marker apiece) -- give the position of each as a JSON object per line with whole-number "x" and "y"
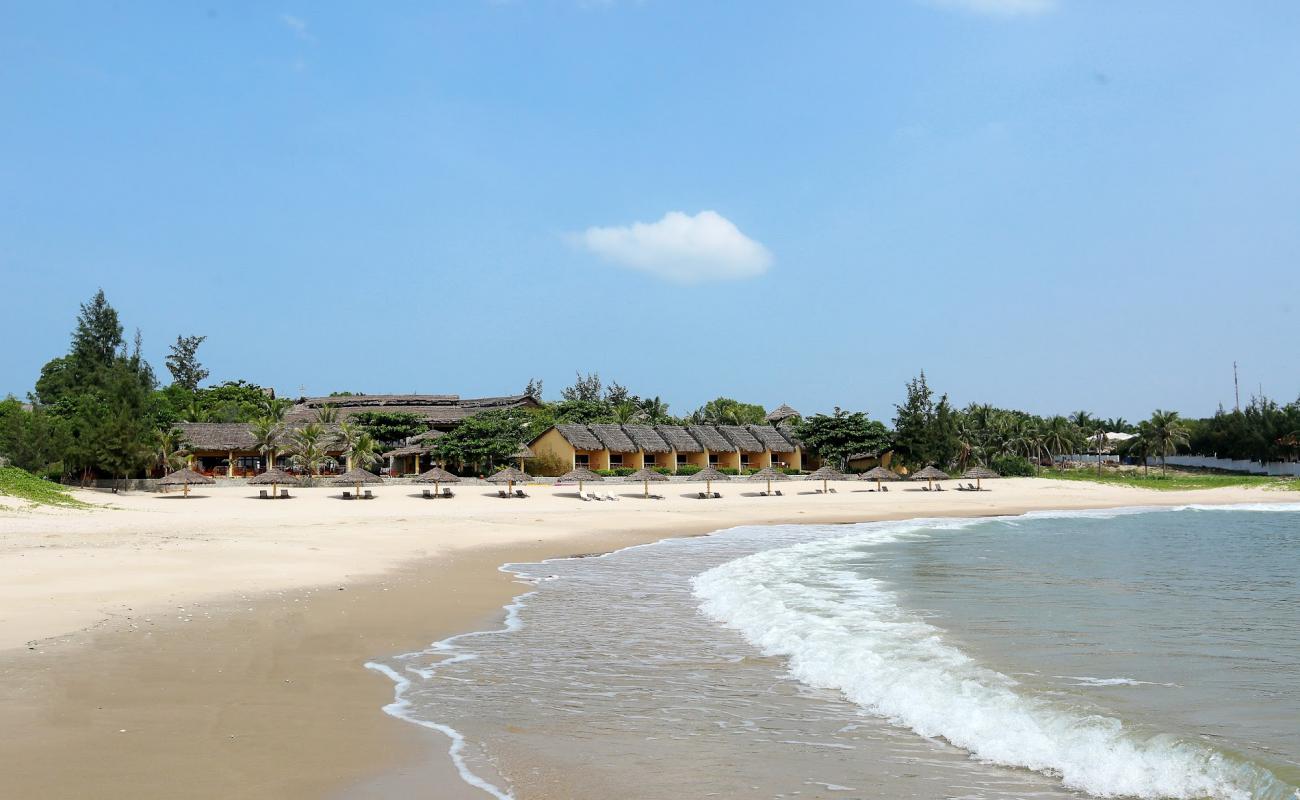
{"x": 839, "y": 630}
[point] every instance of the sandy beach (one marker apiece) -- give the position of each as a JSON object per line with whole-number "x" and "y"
{"x": 213, "y": 646}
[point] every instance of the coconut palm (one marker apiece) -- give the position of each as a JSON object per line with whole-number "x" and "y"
{"x": 364, "y": 453}
{"x": 172, "y": 450}
{"x": 654, "y": 411}
{"x": 307, "y": 449}
{"x": 1060, "y": 436}
{"x": 327, "y": 413}
{"x": 1168, "y": 433}
{"x": 347, "y": 435}
{"x": 269, "y": 436}
{"x": 626, "y": 412}
{"x": 275, "y": 408}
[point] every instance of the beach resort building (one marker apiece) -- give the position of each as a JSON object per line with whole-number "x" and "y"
{"x": 228, "y": 449}
{"x": 610, "y": 446}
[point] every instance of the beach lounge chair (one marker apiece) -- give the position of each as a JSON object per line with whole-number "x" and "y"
{"x": 970, "y": 487}
{"x": 368, "y": 495}
{"x": 446, "y": 492}
{"x": 717, "y": 496}
{"x": 938, "y": 488}
{"x": 502, "y": 494}
{"x": 262, "y": 494}
{"x": 703, "y": 496}
{"x": 925, "y": 488}
{"x": 762, "y": 494}
{"x": 584, "y": 498}
{"x": 520, "y": 493}
{"x": 284, "y": 494}
{"x": 884, "y": 488}
{"x": 832, "y": 490}
{"x": 347, "y": 495}
{"x": 593, "y": 496}
{"x": 777, "y": 492}
{"x": 610, "y": 497}
{"x": 428, "y": 494}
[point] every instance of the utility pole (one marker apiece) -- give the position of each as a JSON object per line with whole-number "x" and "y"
{"x": 1236, "y": 388}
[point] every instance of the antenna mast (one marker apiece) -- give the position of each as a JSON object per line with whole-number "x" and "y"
{"x": 1236, "y": 388}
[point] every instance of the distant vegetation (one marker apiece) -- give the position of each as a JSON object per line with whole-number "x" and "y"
{"x": 1175, "y": 481}
{"x": 22, "y": 485}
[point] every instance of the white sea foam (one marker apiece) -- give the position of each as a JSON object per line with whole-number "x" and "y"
{"x": 842, "y": 631}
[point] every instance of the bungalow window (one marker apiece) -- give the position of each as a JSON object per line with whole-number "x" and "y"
{"x": 713, "y": 458}
{"x": 681, "y": 459}
{"x": 649, "y": 459}
{"x": 744, "y": 459}
{"x": 615, "y": 460}
{"x": 582, "y": 460}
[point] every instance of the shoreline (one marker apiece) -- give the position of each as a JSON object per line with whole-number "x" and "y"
{"x": 265, "y": 694}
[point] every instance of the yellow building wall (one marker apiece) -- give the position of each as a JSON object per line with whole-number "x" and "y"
{"x": 597, "y": 459}
{"x": 552, "y": 445}
{"x": 700, "y": 459}
{"x": 668, "y": 460}
{"x": 785, "y": 460}
{"x": 759, "y": 460}
{"x": 727, "y": 459}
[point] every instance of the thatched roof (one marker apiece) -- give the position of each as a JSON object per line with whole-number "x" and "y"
{"x": 880, "y": 474}
{"x": 679, "y": 438}
{"x": 930, "y": 473}
{"x": 580, "y": 436}
{"x": 788, "y": 432}
{"x": 273, "y": 476}
{"x": 781, "y": 412}
{"x": 711, "y": 439}
{"x": 510, "y": 475}
{"x": 647, "y": 474}
{"x": 431, "y": 435}
{"x": 826, "y": 473}
{"x": 182, "y": 477}
{"x": 579, "y": 474}
{"x": 355, "y": 476}
{"x": 647, "y": 439}
{"x": 410, "y": 450}
{"x": 769, "y": 474}
{"x": 743, "y": 440}
{"x": 613, "y": 438}
{"x": 524, "y": 451}
{"x": 770, "y": 438}
{"x": 710, "y": 474}
{"x": 437, "y": 475}
{"x": 435, "y": 409}
{"x": 980, "y": 473}
{"x": 222, "y": 437}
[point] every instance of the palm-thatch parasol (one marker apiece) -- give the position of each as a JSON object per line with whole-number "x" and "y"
{"x": 356, "y": 477}
{"x": 510, "y": 476}
{"x": 709, "y": 475}
{"x": 781, "y": 413}
{"x": 273, "y": 476}
{"x": 879, "y": 474}
{"x": 979, "y": 473}
{"x": 524, "y": 452}
{"x": 769, "y": 474}
{"x": 436, "y": 476}
{"x": 185, "y": 477}
{"x": 581, "y": 474}
{"x": 930, "y": 474}
{"x": 645, "y": 475}
{"x": 826, "y": 473}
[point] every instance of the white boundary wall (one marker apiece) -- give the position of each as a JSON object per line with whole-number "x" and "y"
{"x": 1278, "y": 468}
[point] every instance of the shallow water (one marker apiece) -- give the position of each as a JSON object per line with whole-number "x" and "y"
{"x": 1150, "y": 654}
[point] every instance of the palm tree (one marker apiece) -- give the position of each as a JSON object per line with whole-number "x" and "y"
{"x": 268, "y": 437}
{"x": 307, "y": 449}
{"x": 347, "y": 437}
{"x": 1168, "y": 433}
{"x": 1142, "y": 445}
{"x": 1060, "y": 436}
{"x": 172, "y": 450}
{"x": 626, "y": 412}
{"x": 364, "y": 453}
{"x": 327, "y": 413}
{"x": 275, "y": 408}
{"x": 654, "y": 410}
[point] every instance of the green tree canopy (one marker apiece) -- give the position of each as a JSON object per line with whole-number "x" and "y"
{"x": 841, "y": 434}
{"x": 487, "y": 439}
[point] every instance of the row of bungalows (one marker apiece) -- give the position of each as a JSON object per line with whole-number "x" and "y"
{"x": 610, "y": 446}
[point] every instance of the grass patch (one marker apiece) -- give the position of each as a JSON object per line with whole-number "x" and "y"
{"x": 1174, "y": 481}
{"x": 22, "y": 485}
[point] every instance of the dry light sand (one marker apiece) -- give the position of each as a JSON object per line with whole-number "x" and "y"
{"x": 212, "y": 647}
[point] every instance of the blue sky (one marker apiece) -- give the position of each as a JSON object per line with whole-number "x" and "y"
{"x": 1048, "y": 205}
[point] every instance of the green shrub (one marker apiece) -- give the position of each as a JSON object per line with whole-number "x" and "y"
{"x": 21, "y": 484}
{"x": 616, "y": 472}
{"x": 791, "y": 471}
{"x": 688, "y": 469}
{"x": 547, "y": 465}
{"x": 728, "y": 470}
{"x": 664, "y": 470}
{"x": 1012, "y": 466}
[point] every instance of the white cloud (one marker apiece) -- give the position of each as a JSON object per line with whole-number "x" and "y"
{"x": 681, "y": 248}
{"x": 298, "y": 25}
{"x": 1000, "y": 8}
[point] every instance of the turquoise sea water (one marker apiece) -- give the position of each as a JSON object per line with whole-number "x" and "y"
{"x": 1152, "y": 654}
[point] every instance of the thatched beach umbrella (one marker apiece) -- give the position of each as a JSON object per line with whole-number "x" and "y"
{"x": 709, "y": 475}
{"x": 645, "y": 475}
{"x": 510, "y": 476}
{"x": 356, "y": 477}
{"x": 436, "y": 476}
{"x": 185, "y": 477}
{"x": 930, "y": 474}
{"x": 769, "y": 474}
{"x": 827, "y": 473}
{"x": 274, "y": 476}
{"x": 524, "y": 452}
{"x": 979, "y": 473}
{"x": 879, "y": 474}
{"x": 581, "y": 475}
